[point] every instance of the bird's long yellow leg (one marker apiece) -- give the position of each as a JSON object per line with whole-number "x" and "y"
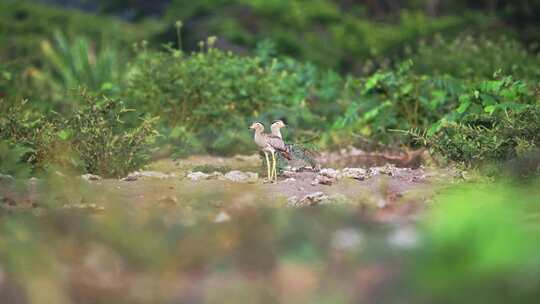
{"x": 267, "y": 165}
{"x": 274, "y": 172}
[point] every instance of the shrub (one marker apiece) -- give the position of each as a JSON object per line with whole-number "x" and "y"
{"x": 336, "y": 35}
{"x": 208, "y": 99}
{"x": 389, "y": 101}
{"x": 496, "y": 120}
{"x": 71, "y": 64}
{"x": 92, "y": 139}
{"x": 475, "y": 57}
{"x": 23, "y": 25}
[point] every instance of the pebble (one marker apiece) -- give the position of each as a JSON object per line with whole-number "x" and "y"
{"x": 91, "y": 177}
{"x": 222, "y": 217}
{"x": 196, "y": 176}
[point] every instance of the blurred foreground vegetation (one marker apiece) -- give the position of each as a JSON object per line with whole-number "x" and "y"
{"x": 475, "y": 237}
{"x": 94, "y": 93}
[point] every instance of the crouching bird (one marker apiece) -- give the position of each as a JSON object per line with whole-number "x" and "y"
{"x": 269, "y": 144}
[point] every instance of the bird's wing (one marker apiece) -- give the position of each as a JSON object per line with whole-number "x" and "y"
{"x": 276, "y": 143}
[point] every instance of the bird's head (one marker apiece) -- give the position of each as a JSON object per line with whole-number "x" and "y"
{"x": 278, "y": 124}
{"x": 257, "y": 126}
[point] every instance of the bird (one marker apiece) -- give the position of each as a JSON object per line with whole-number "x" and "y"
{"x": 269, "y": 144}
{"x": 300, "y": 153}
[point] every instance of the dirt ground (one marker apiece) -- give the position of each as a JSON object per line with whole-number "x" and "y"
{"x": 390, "y": 193}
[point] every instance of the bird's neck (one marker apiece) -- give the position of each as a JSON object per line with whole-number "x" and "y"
{"x": 276, "y": 131}
{"x": 258, "y": 133}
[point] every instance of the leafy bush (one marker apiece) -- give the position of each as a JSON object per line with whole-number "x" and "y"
{"x": 328, "y": 33}
{"x": 78, "y": 63}
{"x": 389, "y": 101}
{"x": 495, "y": 121}
{"x": 475, "y": 57}
{"x": 11, "y": 156}
{"x": 24, "y": 25}
{"x": 92, "y": 139}
{"x": 213, "y": 95}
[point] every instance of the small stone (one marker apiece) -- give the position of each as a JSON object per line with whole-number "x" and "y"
{"x": 330, "y": 173}
{"x": 222, "y": 217}
{"x": 356, "y": 173}
{"x": 196, "y": 176}
{"x": 311, "y": 199}
{"x": 381, "y": 203}
{"x": 290, "y": 180}
{"x": 130, "y": 178}
{"x": 91, "y": 177}
{"x": 325, "y": 180}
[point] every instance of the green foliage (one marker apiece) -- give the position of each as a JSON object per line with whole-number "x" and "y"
{"x": 11, "y": 156}
{"x": 214, "y": 95}
{"x": 496, "y": 120}
{"x": 79, "y": 63}
{"x": 24, "y": 25}
{"x": 325, "y": 32}
{"x": 481, "y": 240}
{"x": 389, "y": 101}
{"x": 92, "y": 139}
{"x": 475, "y": 57}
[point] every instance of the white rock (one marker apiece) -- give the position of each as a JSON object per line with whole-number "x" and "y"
{"x": 195, "y": 176}
{"x": 90, "y": 177}
{"x": 329, "y": 172}
{"x": 356, "y": 173}
{"x": 222, "y": 217}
